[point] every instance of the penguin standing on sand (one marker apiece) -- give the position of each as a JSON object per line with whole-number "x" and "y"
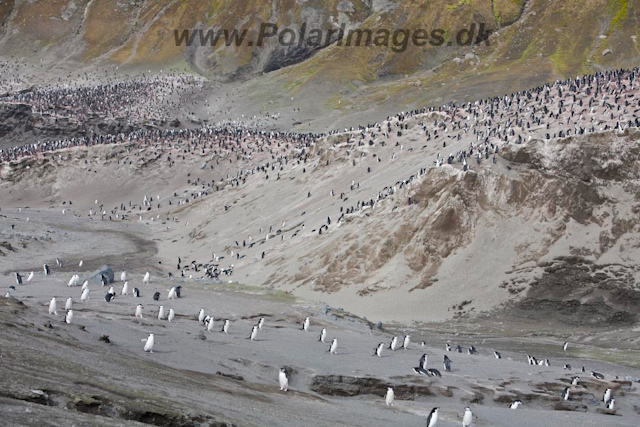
{"x": 254, "y": 333}
{"x": 139, "y": 311}
{"x": 305, "y": 324}
{"x": 136, "y": 293}
{"x": 161, "y": 312}
{"x": 497, "y": 355}
{"x": 565, "y": 345}
{"x": 18, "y": 279}
{"x": 607, "y": 395}
{"x": 432, "y": 419}
{"x": 378, "y": 350}
{"x": 30, "y": 278}
{"x": 393, "y": 344}
{"x": 148, "y": 346}
{"x": 225, "y": 327}
{"x": 201, "y": 315}
{"x": 46, "y": 269}
{"x": 334, "y": 346}
{"x": 323, "y": 335}
{"x": 69, "y": 316}
{"x": 283, "y": 379}
{"x": 565, "y": 394}
{"x": 467, "y": 418}
{"x": 515, "y": 404}
{"x": 389, "y": 397}
{"x": 53, "y": 307}
{"x": 172, "y": 315}
{"x": 423, "y": 361}
{"x": 261, "y": 323}
{"x": 85, "y": 295}
{"x": 405, "y": 342}
{"x": 446, "y": 362}
{"x": 69, "y": 304}
{"x": 611, "y": 403}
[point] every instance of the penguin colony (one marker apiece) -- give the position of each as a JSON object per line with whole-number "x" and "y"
{"x": 283, "y": 377}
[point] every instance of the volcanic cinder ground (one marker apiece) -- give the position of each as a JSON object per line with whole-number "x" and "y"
{"x": 516, "y": 255}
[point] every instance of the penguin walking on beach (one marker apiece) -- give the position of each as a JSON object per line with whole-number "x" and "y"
{"x": 565, "y": 394}
{"x": 565, "y": 346}
{"x": 378, "y": 350}
{"x": 611, "y": 403}
{"x": 136, "y": 293}
{"x": 69, "y": 317}
{"x": 261, "y": 323}
{"x": 389, "y": 397}
{"x": 254, "y": 333}
{"x": 146, "y": 278}
{"x": 606, "y": 395}
{"x": 69, "y": 304}
{"x": 225, "y": 327}
{"x": 305, "y": 324}
{"x": 85, "y": 295}
{"x": 334, "y": 346}
{"x": 18, "y": 279}
{"x": 30, "y": 278}
{"x": 467, "y": 418}
{"x": 393, "y": 344}
{"x": 172, "y": 315}
{"x": 283, "y": 380}
{"x": 201, "y": 315}
{"x": 156, "y": 296}
{"x": 139, "y": 311}
{"x": 161, "y": 312}
{"x": 53, "y": 307}
{"x": 323, "y": 335}
{"x": 46, "y": 269}
{"x": 149, "y": 342}
{"x": 497, "y": 355}
{"x": 432, "y": 419}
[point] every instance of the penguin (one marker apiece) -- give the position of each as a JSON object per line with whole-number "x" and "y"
{"x": 283, "y": 380}
{"x": 467, "y": 418}
{"x": 567, "y": 367}
{"x": 611, "y": 403}
{"x": 156, "y": 296}
{"x": 472, "y": 350}
{"x": 146, "y": 278}
{"x": 378, "y": 350}
{"x": 136, "y": 293}
{"x": 574, "y": 381}
{"x": 210, "y": 323}
{"x": 59, "y": 262}
{"x": 125, "y": 289}
{"x": 389, "y": 397}
{"x": 225, "y": 327}
{"x": 80, "y": 263}
{"x": 261, "y": 323}
{"x": 161, "y": 312}
{"x": 201, "y": 315}
{"x": 423, "y": 361}
{"x": 18, "y": 279}
{"x": 448, "y": 347}
{"x": 108, "y": 297}
{"x": 607, "y": 395}
{"x": 139, "y": 311}
{"x": 123, "y": 276}
{"x": 565, "y": 394}
{"x": 458, "y": 349}
{"x": 53, "y": 307}
{"x": 85, "y": 295}
{"x": 434, "y": 373}
{"x": 565, "y": 345}
{"x": 69, "y": 317}
{"x": 112, "y": 291}
{"x": 323, "y": 335}
{"x": 148, "y": 346}
{"x": 405, "y": 342}
{"x": 254, "y": 333}
{"x": 420, "y": 371}
{"x": 305, "y": 324}
{"x": 178, "y": 289}
{"x": 30, "y": 278}
{"x": 46, "y": 269}
{"x": 497, "y": 355}
{"x": 69, "y": 304}
{"x": 432, "y": 419}
{"x": 334, "y": 346}
{"x": 172, "y": 293}
{"x": 85, "y": 285}
{"x": 515, "y": 404}
{"x": 393, "y": 344}
{"x": 172, "y": 315}
{"x": 597, "y": 375}
{"x": 446, "y": 363}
